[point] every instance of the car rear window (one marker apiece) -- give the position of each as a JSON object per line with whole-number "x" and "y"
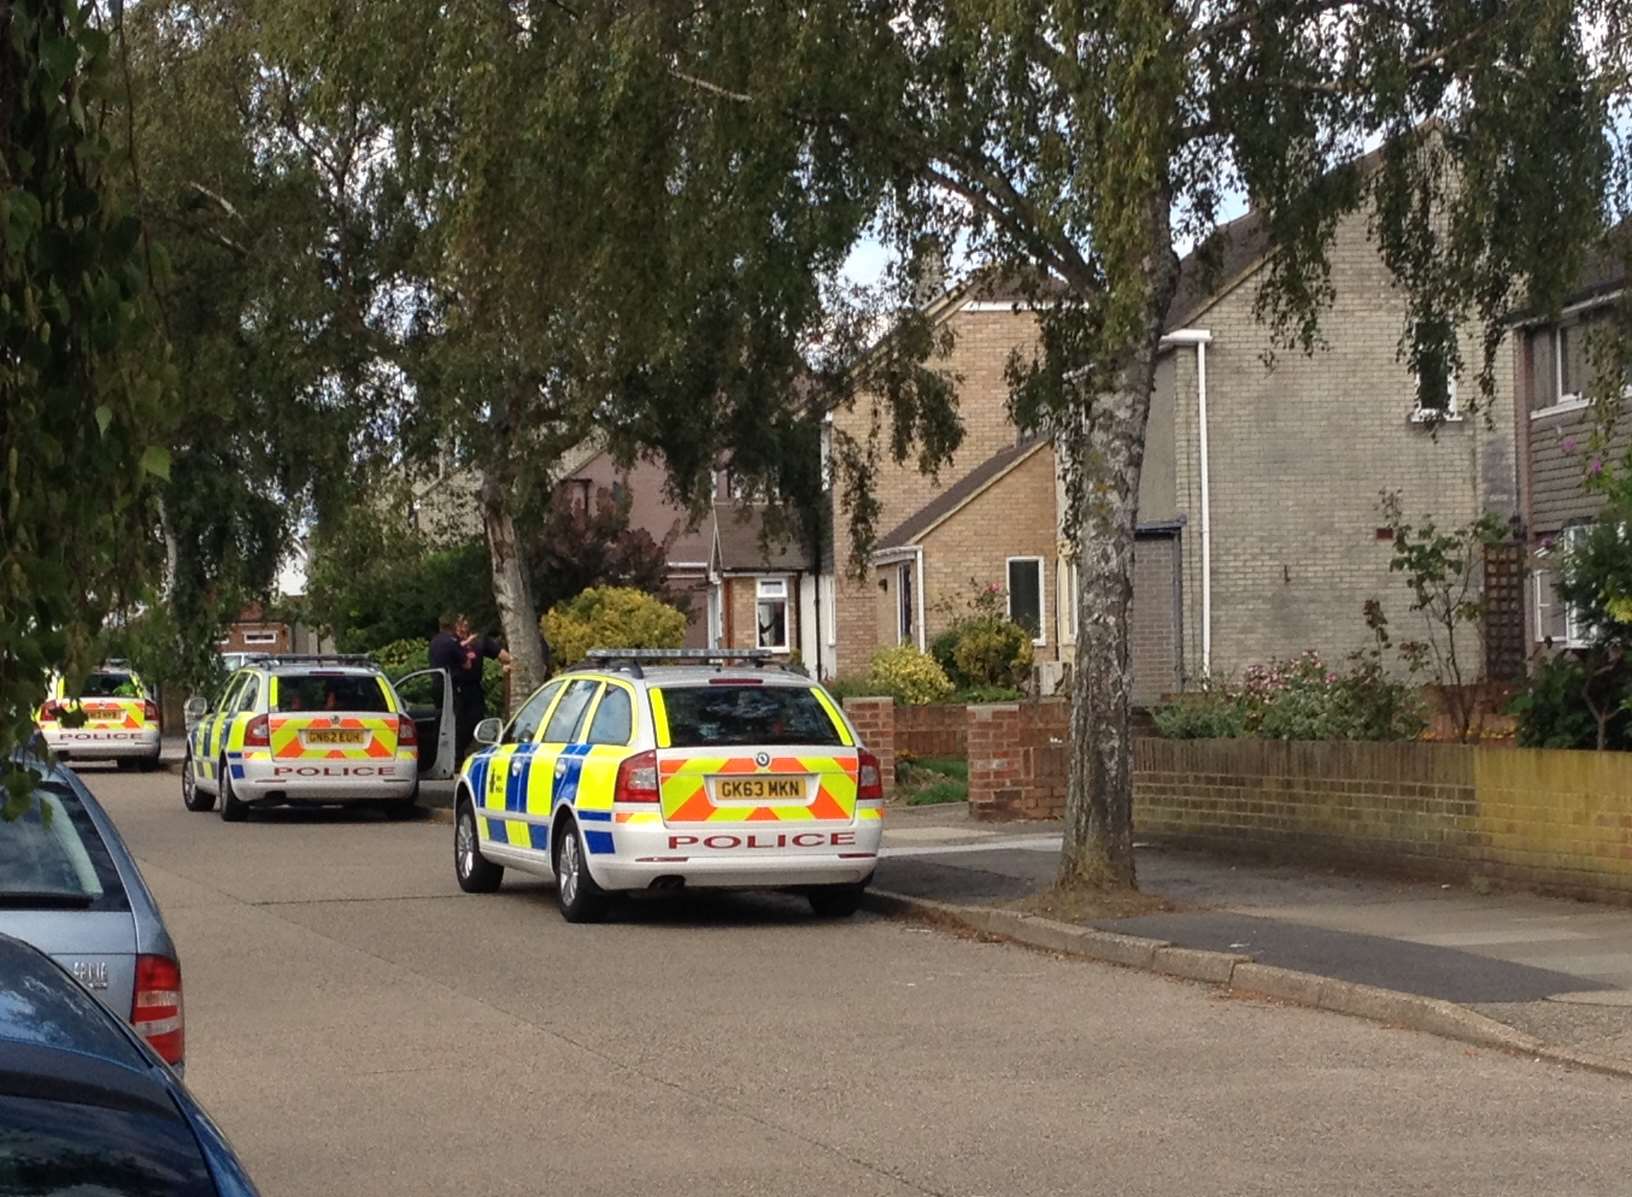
{"x": 700, "y": 716}
{"x": 58, "y": 1149}
{"x": 330, "y": 692}
{"x": 52, "y": 857}
{"x": 109, "y": 683}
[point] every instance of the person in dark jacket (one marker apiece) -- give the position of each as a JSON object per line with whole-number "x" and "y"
{"x": 469, "y": 700}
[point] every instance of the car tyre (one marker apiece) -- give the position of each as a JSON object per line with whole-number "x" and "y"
{"x": 192, "y": 797}
{"x": 232, "y": 810}
{"x": 150, "y": 764}
{"x": 836, "y": 901}
{"x": 581, "y": 900}
{"x": 474, "y": 872}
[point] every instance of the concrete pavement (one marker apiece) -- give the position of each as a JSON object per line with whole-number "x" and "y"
{"x": 1554, "y": 968}
{"x": 359, "y": 1026}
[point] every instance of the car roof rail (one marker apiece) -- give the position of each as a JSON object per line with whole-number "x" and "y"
{"x": 355, "y": 660}
{"x": 631, "y": 659}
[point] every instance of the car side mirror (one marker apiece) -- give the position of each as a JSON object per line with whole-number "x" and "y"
{"x": 195, "y": 709}
{"x": 488, "y": 731}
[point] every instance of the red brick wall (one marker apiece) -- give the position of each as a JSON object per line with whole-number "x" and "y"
{"x": 874, "y": 720}
{"x": 934, "y": 729}
{"x": 1017, "y": 760}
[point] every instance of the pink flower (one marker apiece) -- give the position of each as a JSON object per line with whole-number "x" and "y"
{"x": 1567, "y": 445}
{"x": 1596, "y": 467}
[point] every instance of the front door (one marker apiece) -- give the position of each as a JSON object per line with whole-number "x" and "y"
{"x": 427, "y": 699}
{"x": 504, "y": 775}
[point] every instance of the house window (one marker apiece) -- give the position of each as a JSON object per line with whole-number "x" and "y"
{"x": 1557, "y": 620}
{"x": 906, "y": 628}
{"x": 577, "y": 491}
{"x": 1561, "y": 361}
{"x": 260, "y": 638}
{"x": 773, "y": 614}
{"x": 1026, "y": 595}
{"x": 1436, "y": 391}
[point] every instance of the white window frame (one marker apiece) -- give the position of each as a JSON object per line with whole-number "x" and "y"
{"x": 261, "y": 638}
{"x": 1424, "y": 415}
{"x": 771, "y": 590}
{"x": 1070, "y": 578}
{"x": 828, "y": 590}
{"x": 1573, "y": 631}
{"x": 1042, "y": 597}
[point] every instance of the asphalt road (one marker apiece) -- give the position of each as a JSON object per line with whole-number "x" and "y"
{"x": 358, "y": 1027}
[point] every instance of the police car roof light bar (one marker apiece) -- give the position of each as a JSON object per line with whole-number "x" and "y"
{"x": 360, "y": 660}
{"x": 633, "y": 657}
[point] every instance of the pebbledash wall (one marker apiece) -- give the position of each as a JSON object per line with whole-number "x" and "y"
{"x": 1556, "y": 821}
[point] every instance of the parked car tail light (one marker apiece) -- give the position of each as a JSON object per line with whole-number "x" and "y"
{"x": 150, "y": 711}
{"x": 156, "y": 1010}
{"x": 257, "y": 734}
{"x": 637, "y": 779}
{"x": 869, "y": 781}
{"x": 407, "y": 733}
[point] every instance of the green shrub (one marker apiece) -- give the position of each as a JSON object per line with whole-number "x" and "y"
{"x": 909, "y": 676}
{"x": 1552, "y": 711}
{"x": 992, "y": 652}
{"x": 979, "y": 694}
{"x": 402, "y": 657}
{"x": 1205, "y": 715}
{"x": 842, "y": 688}
{"x": 611, "y": 617}
{"x": 942, "y": 648}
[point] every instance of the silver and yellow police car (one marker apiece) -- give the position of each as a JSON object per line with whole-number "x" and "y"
{"x": 672, "y": 769}
{"x": 111, "y": 716}
{"x": 293, "y": 729}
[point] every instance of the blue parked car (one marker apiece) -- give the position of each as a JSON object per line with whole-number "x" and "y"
{"x": 86, "y": 1106}
{"x": 70, "y": 887}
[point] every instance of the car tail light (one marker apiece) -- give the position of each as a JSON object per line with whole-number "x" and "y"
{"x": 869, "y": 780}
{"x": 155, "y": 1011}
{"x": 637, "y": 779}
{"x": 257, "y": 734}
{"x": 150, "y": 711}
{"x": 407, "y": 733}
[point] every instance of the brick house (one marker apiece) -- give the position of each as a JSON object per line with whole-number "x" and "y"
{"x": 1258, "y": 531}
{"x": 1553, "y": 374}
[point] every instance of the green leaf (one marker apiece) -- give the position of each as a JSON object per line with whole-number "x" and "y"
{"x": 104, "y": 417}
{"x": 156, "y": 461}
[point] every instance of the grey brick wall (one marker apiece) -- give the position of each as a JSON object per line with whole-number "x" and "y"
{"x": 1299, "y": 454}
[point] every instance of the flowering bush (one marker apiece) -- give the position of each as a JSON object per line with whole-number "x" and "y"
{"x": 982, "y": 648}
{"x": 1300, "y": 699}
{"x": 908, "y": 676}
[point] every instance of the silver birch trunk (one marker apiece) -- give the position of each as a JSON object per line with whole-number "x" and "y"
{"x": 1098, "y": 847}
{"x": 511, "y": 592}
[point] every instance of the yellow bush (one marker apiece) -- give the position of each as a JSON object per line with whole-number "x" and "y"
{"x": 611, "y": 617}
{"x": 909, "y": 676}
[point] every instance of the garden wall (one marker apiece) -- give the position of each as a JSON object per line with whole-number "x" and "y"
{"x": 933, "y": 729}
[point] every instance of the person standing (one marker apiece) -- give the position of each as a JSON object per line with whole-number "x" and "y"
{"x": 469, "y": 699}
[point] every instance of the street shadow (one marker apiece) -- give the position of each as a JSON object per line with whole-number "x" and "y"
{"x": 697, "y": 910}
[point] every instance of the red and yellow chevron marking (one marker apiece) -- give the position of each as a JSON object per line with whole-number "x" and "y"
{"x": 288, "y": 745}
{"x": 685, "y": 791}
{"x": 113, "y": 714}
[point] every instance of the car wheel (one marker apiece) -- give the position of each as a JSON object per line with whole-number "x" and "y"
{"x": 475, "y": 873}
{"x": 581, "y": 900}
{"x": 836, "y": 901}
{"x": 124, "y": 764}
{"x": 232, "y": 811}
{"x": 150, "y": 764}
{"x": 192, "y": 797}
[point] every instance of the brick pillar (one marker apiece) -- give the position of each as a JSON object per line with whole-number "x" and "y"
{"x": 875, "y": 723}
{"x": 997, "y": 782}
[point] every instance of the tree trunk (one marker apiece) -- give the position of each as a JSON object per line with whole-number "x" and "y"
{"x": 1098, "y": 848}
{"x": 517, "y": 616}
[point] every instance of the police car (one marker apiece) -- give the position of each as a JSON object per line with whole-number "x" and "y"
{"x": 111, "y": 717}
{"x": 305, "y": 728}
{"x": 671, "y": 769}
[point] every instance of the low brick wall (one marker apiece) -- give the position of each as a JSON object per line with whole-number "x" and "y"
{"x": 933, "y": 729}
{"x": 1018, "y": 759}
{"x": 874, "y": 720}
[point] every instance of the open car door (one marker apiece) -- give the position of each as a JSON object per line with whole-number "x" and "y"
{"x": 427, "y": 697}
